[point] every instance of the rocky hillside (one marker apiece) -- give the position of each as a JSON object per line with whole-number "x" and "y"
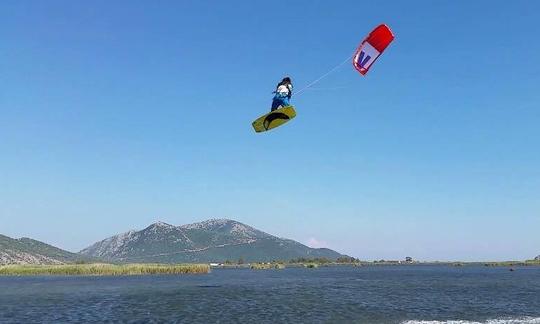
{"x": 28, "y": 251}
{"x": 215, "y": 240}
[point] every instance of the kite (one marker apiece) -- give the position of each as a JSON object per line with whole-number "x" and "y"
{"x": 371, "y": 48}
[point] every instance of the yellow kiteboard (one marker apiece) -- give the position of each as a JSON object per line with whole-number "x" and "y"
{"x": 274, "y": 119}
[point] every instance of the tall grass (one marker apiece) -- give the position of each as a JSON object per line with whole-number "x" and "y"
{"x": 102, "y": 269}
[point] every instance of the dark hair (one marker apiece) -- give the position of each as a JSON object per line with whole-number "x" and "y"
{"x": 286, "y": 80}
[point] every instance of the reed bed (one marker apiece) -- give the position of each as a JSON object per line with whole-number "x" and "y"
{"x": 103, "y": 269}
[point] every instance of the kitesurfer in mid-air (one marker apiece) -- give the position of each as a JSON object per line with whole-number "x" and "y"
{"x": 283, "y": 94}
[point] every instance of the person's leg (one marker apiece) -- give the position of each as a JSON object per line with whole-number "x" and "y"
{"x": 278, "y": 101}
{"x": 275, "y": 103}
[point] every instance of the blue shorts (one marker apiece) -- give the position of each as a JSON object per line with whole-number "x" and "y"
{"x": 279, "y": 100}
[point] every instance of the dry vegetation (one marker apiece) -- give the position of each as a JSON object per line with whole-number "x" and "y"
{"x": 103, "y": 269}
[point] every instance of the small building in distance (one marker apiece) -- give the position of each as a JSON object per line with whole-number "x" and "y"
{"x": 408, "y": 260}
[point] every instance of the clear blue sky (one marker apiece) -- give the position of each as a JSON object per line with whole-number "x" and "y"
{"x": 118, "y": 114}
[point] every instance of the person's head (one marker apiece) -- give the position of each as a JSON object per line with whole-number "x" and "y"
{"x": 286, "y": 80}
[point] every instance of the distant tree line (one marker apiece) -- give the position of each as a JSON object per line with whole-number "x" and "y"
{"x": 313, "y": 260}
{"x": 325, "y": 260}
{"x": 320, "y": 260}
{"x": 347, "y": 260}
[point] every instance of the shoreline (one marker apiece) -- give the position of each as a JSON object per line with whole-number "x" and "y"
{"x": 312, "y": 264}
{"x": 134, "y": 269}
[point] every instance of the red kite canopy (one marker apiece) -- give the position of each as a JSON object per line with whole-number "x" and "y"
{"x": 371, "y": 48}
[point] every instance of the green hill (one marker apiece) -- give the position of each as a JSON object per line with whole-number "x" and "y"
{"x": 28, "y": 251}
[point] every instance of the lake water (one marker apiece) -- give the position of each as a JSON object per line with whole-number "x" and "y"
{"x": 384, "y": 294}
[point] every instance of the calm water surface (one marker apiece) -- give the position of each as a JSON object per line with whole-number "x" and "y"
{"x": 393, "y": 294}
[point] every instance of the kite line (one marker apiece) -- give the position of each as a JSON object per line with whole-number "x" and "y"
{"x": 322, "y": 76}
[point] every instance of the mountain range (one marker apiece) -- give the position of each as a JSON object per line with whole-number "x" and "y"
{"x": 215, "y": 240}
